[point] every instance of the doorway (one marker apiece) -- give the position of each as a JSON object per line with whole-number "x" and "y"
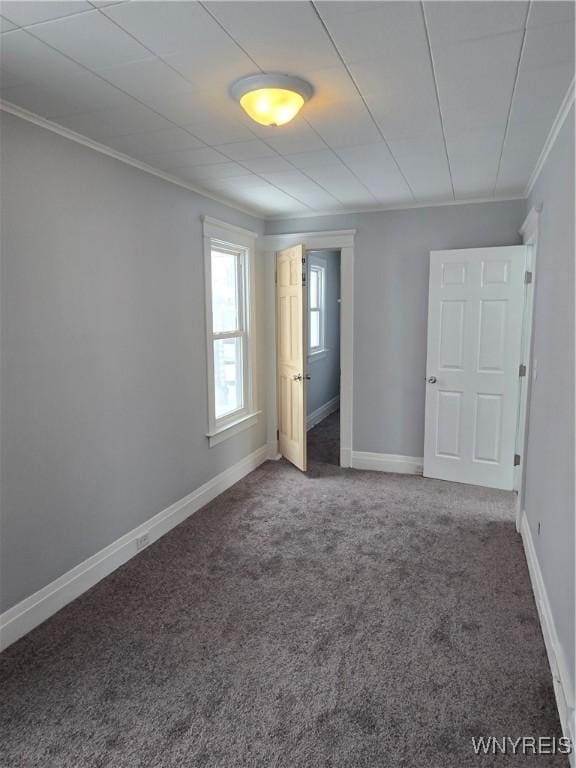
{"x": 272, "y": 247}
{"x": 323, "y": 356}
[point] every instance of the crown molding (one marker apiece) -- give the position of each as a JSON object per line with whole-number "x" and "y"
{"x": 49, "y": 125}
{"x": 403, "y": 207}
{"x": 565, "y": 107}
{"x": 214, "y": 228}
{"x": 67, "y": 133}
{"x": 530, "y": 224}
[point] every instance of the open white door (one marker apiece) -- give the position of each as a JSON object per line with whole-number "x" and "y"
{"x": 476, "y": 302}
{"x": 291, "y": 351}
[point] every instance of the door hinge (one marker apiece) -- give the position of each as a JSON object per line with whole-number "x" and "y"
{"x": 277, "y": 434}
{"x": 527, "y": 277}
{"x": 516, "y": 459}
{"x": 303, "y": 278}
{"x": 522, "y": 370}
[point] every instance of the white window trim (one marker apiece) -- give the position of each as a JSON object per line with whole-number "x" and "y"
{"x": 232, "y": 428}
{"x": 242, "y": 419}
{"x": 319, "y": 352}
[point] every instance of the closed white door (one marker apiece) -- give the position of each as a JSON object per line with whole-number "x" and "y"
{"x": 476, "y": 303}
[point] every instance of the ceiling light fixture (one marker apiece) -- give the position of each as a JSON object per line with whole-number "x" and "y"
{"x": 271, "y": 99}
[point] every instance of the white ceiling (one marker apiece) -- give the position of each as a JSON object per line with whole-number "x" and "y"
{"x": 415, "y": 102}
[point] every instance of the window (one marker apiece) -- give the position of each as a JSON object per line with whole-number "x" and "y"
{"x": 228, "y": 256}
{"x": 316, "y": 308}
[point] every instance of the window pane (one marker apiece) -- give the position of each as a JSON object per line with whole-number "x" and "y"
{"x": 228, "y": 394}
{"x": 314, "y": 329}
{"x": 225, "y": 309}
{"x": 314, "y": 289}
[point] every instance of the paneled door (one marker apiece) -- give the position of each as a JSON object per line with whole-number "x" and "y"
{"x": 291, "y": 353}
{"x": 475, "y": 309}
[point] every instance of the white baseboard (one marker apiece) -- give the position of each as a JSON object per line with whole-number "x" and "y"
{"x": 273, "y": 454}
{"x": 345, "y": 457}
{"x": 387, "y": 462}
{"x": 518, "y": 519}
{"x": 563, "y": 686}
{"x": 323, "y": 412}
{"x": 32, "y": 611}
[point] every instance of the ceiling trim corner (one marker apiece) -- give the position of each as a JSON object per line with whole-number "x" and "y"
{"x": 78, "y": 138}
{"x": 389, "y": 208}
{"x": 561, "y": 116}
{"x": 530, "y": 224}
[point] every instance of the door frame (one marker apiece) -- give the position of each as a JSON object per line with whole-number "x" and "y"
{"x": 335, "y": 240}
{"x": 529, "y": 233}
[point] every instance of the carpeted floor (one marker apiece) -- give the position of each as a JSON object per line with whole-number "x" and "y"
{"x": 324, "y": 441}
{"x": 341, "y": 619}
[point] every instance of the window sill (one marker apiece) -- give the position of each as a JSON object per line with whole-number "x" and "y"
{"x": 233, "y": 428}
{"x": 317, "y": 355}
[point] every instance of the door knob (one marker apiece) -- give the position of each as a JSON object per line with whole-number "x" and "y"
{"x": 432, "y": 380}
{"x": 297, "y": 377}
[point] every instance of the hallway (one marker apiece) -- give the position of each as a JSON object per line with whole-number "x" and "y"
{"x": 324, "y": 441}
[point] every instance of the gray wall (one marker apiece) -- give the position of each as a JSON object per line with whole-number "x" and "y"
{"x": 550, "y": 456}
{"x": 104, "y": 409}
{"x": 324, "y": 384}
{"x": 391, "y": 306}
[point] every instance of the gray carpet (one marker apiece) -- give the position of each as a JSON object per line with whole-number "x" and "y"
{"x": 324, "y": 441}
{"x": 341, "y": 619}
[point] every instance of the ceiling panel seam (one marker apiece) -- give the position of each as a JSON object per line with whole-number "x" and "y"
{"x": 259, "y": 68}
{"x": 147, "y": 106}
{"x": 287, "y": 157}
{"x": 156, "y": 56}
{"x": 311, "y": 188}
{"x": 508, "y": 116}
{"x": 400, "y": 207}
{"x": 437, "y": 94}
{"x": 103, "y": 149}
{"x": 165, "y": 176}
{"x": 356, "y": 86}
{"x": 47, "y": 21}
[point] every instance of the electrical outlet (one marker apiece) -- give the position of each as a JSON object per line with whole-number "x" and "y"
{"x": 142, "y": 541}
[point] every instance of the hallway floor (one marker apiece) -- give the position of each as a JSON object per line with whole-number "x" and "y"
{"x": 324, "y": 441}
{"x": 339, "y": 619}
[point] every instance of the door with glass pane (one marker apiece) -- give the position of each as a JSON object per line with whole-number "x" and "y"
{"x": 291, "y": 354}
